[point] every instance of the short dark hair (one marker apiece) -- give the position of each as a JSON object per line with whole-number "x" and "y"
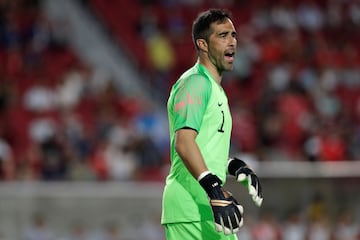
{"x": 201, "y": 26}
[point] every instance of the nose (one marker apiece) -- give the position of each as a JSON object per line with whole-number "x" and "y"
{"x": 232, "y": 41}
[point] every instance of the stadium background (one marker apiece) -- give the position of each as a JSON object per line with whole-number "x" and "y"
{"x": 83, "y": 132}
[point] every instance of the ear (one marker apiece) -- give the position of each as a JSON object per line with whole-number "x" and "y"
{"x": 202, "y": 44}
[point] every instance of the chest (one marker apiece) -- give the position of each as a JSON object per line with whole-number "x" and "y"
{"x": 217, "y": 114}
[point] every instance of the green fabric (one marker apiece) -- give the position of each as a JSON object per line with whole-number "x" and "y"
{"x": 195, "y": 231}
{"x": 196, "y": 101}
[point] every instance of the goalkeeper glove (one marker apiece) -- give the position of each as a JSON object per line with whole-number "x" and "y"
{"x": 226, "y": 210}
{"x": 245, "y": 175}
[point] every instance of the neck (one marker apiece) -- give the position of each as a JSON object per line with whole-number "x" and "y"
{"x": 211, "y": 68}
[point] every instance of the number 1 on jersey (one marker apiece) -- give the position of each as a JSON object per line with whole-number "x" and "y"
{"x": 221, "y": 129}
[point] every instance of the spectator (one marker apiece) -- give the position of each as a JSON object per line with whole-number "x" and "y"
{"x": 319, "y": 227}
{"x": 79, "y": 231}
{"x": 38, "y": 229}
{"x": 333, "y": 147}
{"x": 110, "y": 231}
{"x": 119, "y": 156}
{"x": 71, "y": 88}
{"x": 162, "y": 59}
{"x": 310, "y": 16}
{"x": 40, "y": 97}
{"x": 55, "y": 161}
{"x": 151, "y": 128}
{"x": 266, "y": 228}
{"x": 345, "y": 227}
{"x": 151, "y": 229}
{"x": 294, "y": 227}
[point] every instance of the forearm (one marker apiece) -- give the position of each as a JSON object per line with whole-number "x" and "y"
{"x": 189, "y": 152}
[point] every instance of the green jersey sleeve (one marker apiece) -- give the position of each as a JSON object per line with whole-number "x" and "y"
{"x": 190, "y": 102}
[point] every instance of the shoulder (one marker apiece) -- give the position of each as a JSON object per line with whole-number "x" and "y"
{"x": 196, "y": 82}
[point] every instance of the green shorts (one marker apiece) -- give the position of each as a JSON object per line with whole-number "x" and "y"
{"x": 195, "y": 231}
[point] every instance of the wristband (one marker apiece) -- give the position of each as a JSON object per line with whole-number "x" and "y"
{"x": 202, "y": 175}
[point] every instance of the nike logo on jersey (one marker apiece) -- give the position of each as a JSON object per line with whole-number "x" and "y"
{"x": 220, "y": 104}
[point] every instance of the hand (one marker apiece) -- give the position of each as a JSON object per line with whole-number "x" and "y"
{"x": 244, "y": 174}
{"x": 226, "y": 210}
{"x": 223, "y": 211}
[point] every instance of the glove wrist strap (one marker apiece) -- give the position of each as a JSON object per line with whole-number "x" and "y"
{"x": 212, "y": 186}
{"x": 202, "y": 175}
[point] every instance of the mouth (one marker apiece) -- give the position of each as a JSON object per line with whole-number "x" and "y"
{"x": 230, "y": 55}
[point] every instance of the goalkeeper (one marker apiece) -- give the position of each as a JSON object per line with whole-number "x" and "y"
{"x": 195, "y": 205}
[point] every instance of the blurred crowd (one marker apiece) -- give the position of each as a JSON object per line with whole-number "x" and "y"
{"x": 294, "y": 92}
{"x": 61, "y": 119}
{"x": 41, "y": 227}
{"x": 295, "y": 89}
{"x": 309, "y": 222}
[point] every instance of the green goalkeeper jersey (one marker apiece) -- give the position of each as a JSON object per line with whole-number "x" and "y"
{"x": 198, "y": 102}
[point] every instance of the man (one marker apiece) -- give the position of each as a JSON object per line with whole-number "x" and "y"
{"x": 200, "y": 128}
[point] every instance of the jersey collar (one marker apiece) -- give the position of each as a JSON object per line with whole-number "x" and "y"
{"x": 204, "y": 70}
